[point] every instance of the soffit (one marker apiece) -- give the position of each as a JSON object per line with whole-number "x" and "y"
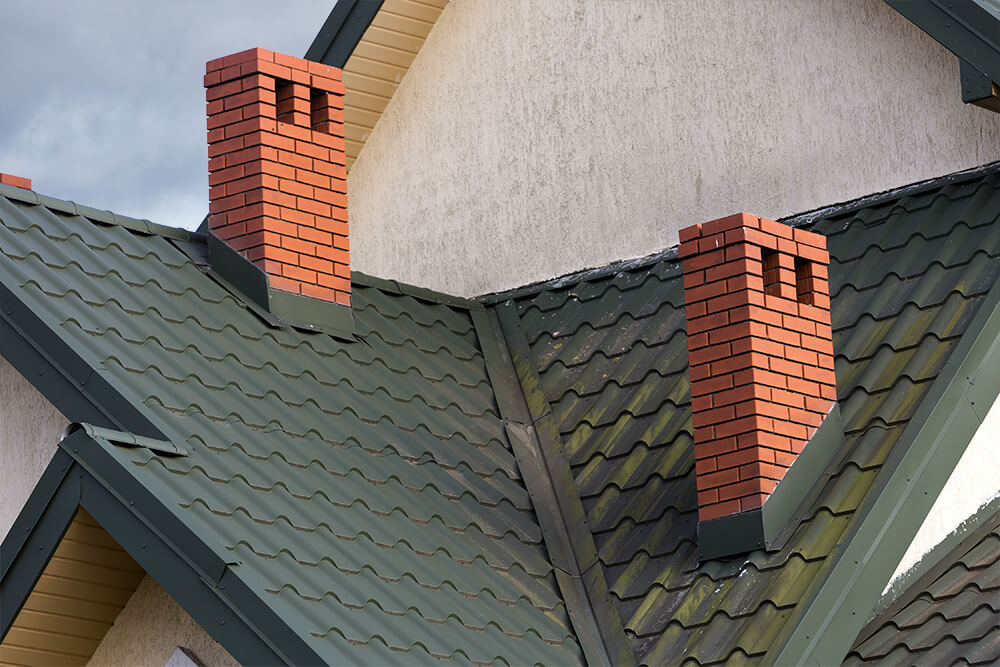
{"x": 82, "y": 590}
{"x": 379, "y": 63}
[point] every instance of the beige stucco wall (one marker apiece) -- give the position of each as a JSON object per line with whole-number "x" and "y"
{"x": 30, "y": 429}
{"x": 150, "y": 628}
{"x": 538, "y": 137}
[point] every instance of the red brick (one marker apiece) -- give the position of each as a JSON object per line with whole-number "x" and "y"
{"x": 704, "y": 466}
{"x": 753, "y": 501}
{"x": 341, "y": 242}
{"x": 688, "y": 249}
{"x": 693, "y": 279}
{"x": 318, "y": 292}
{"x": 743, "y": 457}
{"x": 708, "y": 354}
{"x": 776, "y": 228}
{"x": 795, "y": 431}
{"x": 284, "y": 284}
{"x": 745, "y": 282}
{"x": 734, "y": 221}
{"x": 789, "y": 398}
{"x": 705, "y": 291}
{"x": 703, "y": 260}
{"x": 761, "y": 408}
{"x": 713, "y": 321}
{"x": 711, "y": 384}
{"x": 784, "y": 336}
{"x": 741, "y": 393}
{"x": 762, "y": 469}
{"x": 747, "y": 487}
{"x": 699, "y": 403}
{"x": 743, "y": 425}
{"x": 813, "y": 254}
{"x": 708, "y": 496}
{"x": 709, "y": 243}
{"x": 335, "y": 282}
{"x": 709, "y": 417}
{"x": 821, "y": 345}
{"x": 689, "y": 233}
{"x": 342, "y": 270}
{"x": 717, "y": 510}
{"x": 734, "y": 268}
{"x": 714, "y": 448}
{"x": 343, "y": 298}
{"x": 697, "y": 340}
{"x": 316, "y": 264}
{"x": 820, "y": 405}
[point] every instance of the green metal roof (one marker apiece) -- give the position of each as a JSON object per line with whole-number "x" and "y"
{"x": 948, "y": 616}
{"x": 365, "y": 489}
{"x": 507, "y": 481}
{"x": 609, "y": 348}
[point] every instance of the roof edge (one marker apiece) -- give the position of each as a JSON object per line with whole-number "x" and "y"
{"x": 96, "y": 215}
{"x": 852, "y": 578}
{"x": 342, "y": 30}
{"x": 794, "y": 220}
{"x": 971, "y": 529}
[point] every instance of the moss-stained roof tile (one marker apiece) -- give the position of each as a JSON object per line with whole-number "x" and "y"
{"x": 907, "y": 277}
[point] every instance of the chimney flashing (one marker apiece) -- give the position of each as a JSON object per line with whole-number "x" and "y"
{"x": 277, "y": 307}
{"x": 769, "y": 526}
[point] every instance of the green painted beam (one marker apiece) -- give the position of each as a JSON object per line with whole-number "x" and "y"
{"x": 853, "y": 577}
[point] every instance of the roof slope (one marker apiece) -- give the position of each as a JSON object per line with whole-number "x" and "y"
{"x": 365, "y": 490}
{"x": 949, "y": 616}
{"x": 609, "y": 347}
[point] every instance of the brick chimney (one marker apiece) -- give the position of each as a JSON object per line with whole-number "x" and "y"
{"x": 277, "y": 173}
{"x": 15, "y": 181}
{"x": 760, "y": 354}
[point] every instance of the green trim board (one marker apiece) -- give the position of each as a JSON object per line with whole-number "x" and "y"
{"x": 56, "y": 370}
{"x": 536, "y": 444}
{"x": 342, "y": 30}
{"x": 971, "y": 31}
{"x": 913, "y": 476}
{"x": 769, "y": 526}
{"x": 219, "y": 607}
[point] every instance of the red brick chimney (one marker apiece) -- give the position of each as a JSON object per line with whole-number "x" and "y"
{"x": 277, "y": 173}
{"x": 15, "y": 181}
{"x": 760, "y": 354}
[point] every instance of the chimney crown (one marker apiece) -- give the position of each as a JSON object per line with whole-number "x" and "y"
{"x": 760, "y": 351}
{"x": 277, "y": 175}
{"x": 15, "y": 181}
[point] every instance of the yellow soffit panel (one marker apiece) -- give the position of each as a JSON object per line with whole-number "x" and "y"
{"x": 85, "y": 585}
{"x": 379, "y": 63}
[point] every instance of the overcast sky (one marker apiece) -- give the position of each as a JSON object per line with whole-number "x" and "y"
{"x": 103, "y": 101}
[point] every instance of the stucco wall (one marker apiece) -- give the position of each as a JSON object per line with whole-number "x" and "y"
{"x": 30, "y": 429}
{"x": 538, "y": 137}
{"x": 974, "y": 482}
{"x": 150, "y": 628}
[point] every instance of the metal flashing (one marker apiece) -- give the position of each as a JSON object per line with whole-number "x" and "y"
{"x": 301, "y": 312}
{"x": 128, "y": 439}
{"x": 35, "y": 534}
{"x": 848, "y": 587}
{"x": 970, "y": 31}
{"x": 770, "y": 526}
{"x": 342, "y": 30}
{"x": 38, "y": 352}
{"x": 82, "y": 474}
{"x": 538, "y": 448}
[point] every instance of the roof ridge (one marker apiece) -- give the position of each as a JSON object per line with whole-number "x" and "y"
{"x": 98, "y": 215}
{"x": 795, "y": 220}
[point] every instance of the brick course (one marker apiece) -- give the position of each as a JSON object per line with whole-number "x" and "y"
{"x": 760, "y": 354}
{"x": 277, "y": 174}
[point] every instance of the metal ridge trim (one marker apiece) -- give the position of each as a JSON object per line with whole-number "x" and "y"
{"x": 342, "y": 30}
{"x": 852, "y": 578}
{"x": 538, "y": 449}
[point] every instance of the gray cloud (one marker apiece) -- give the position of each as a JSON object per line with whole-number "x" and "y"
{"x": 103, "y": 101}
